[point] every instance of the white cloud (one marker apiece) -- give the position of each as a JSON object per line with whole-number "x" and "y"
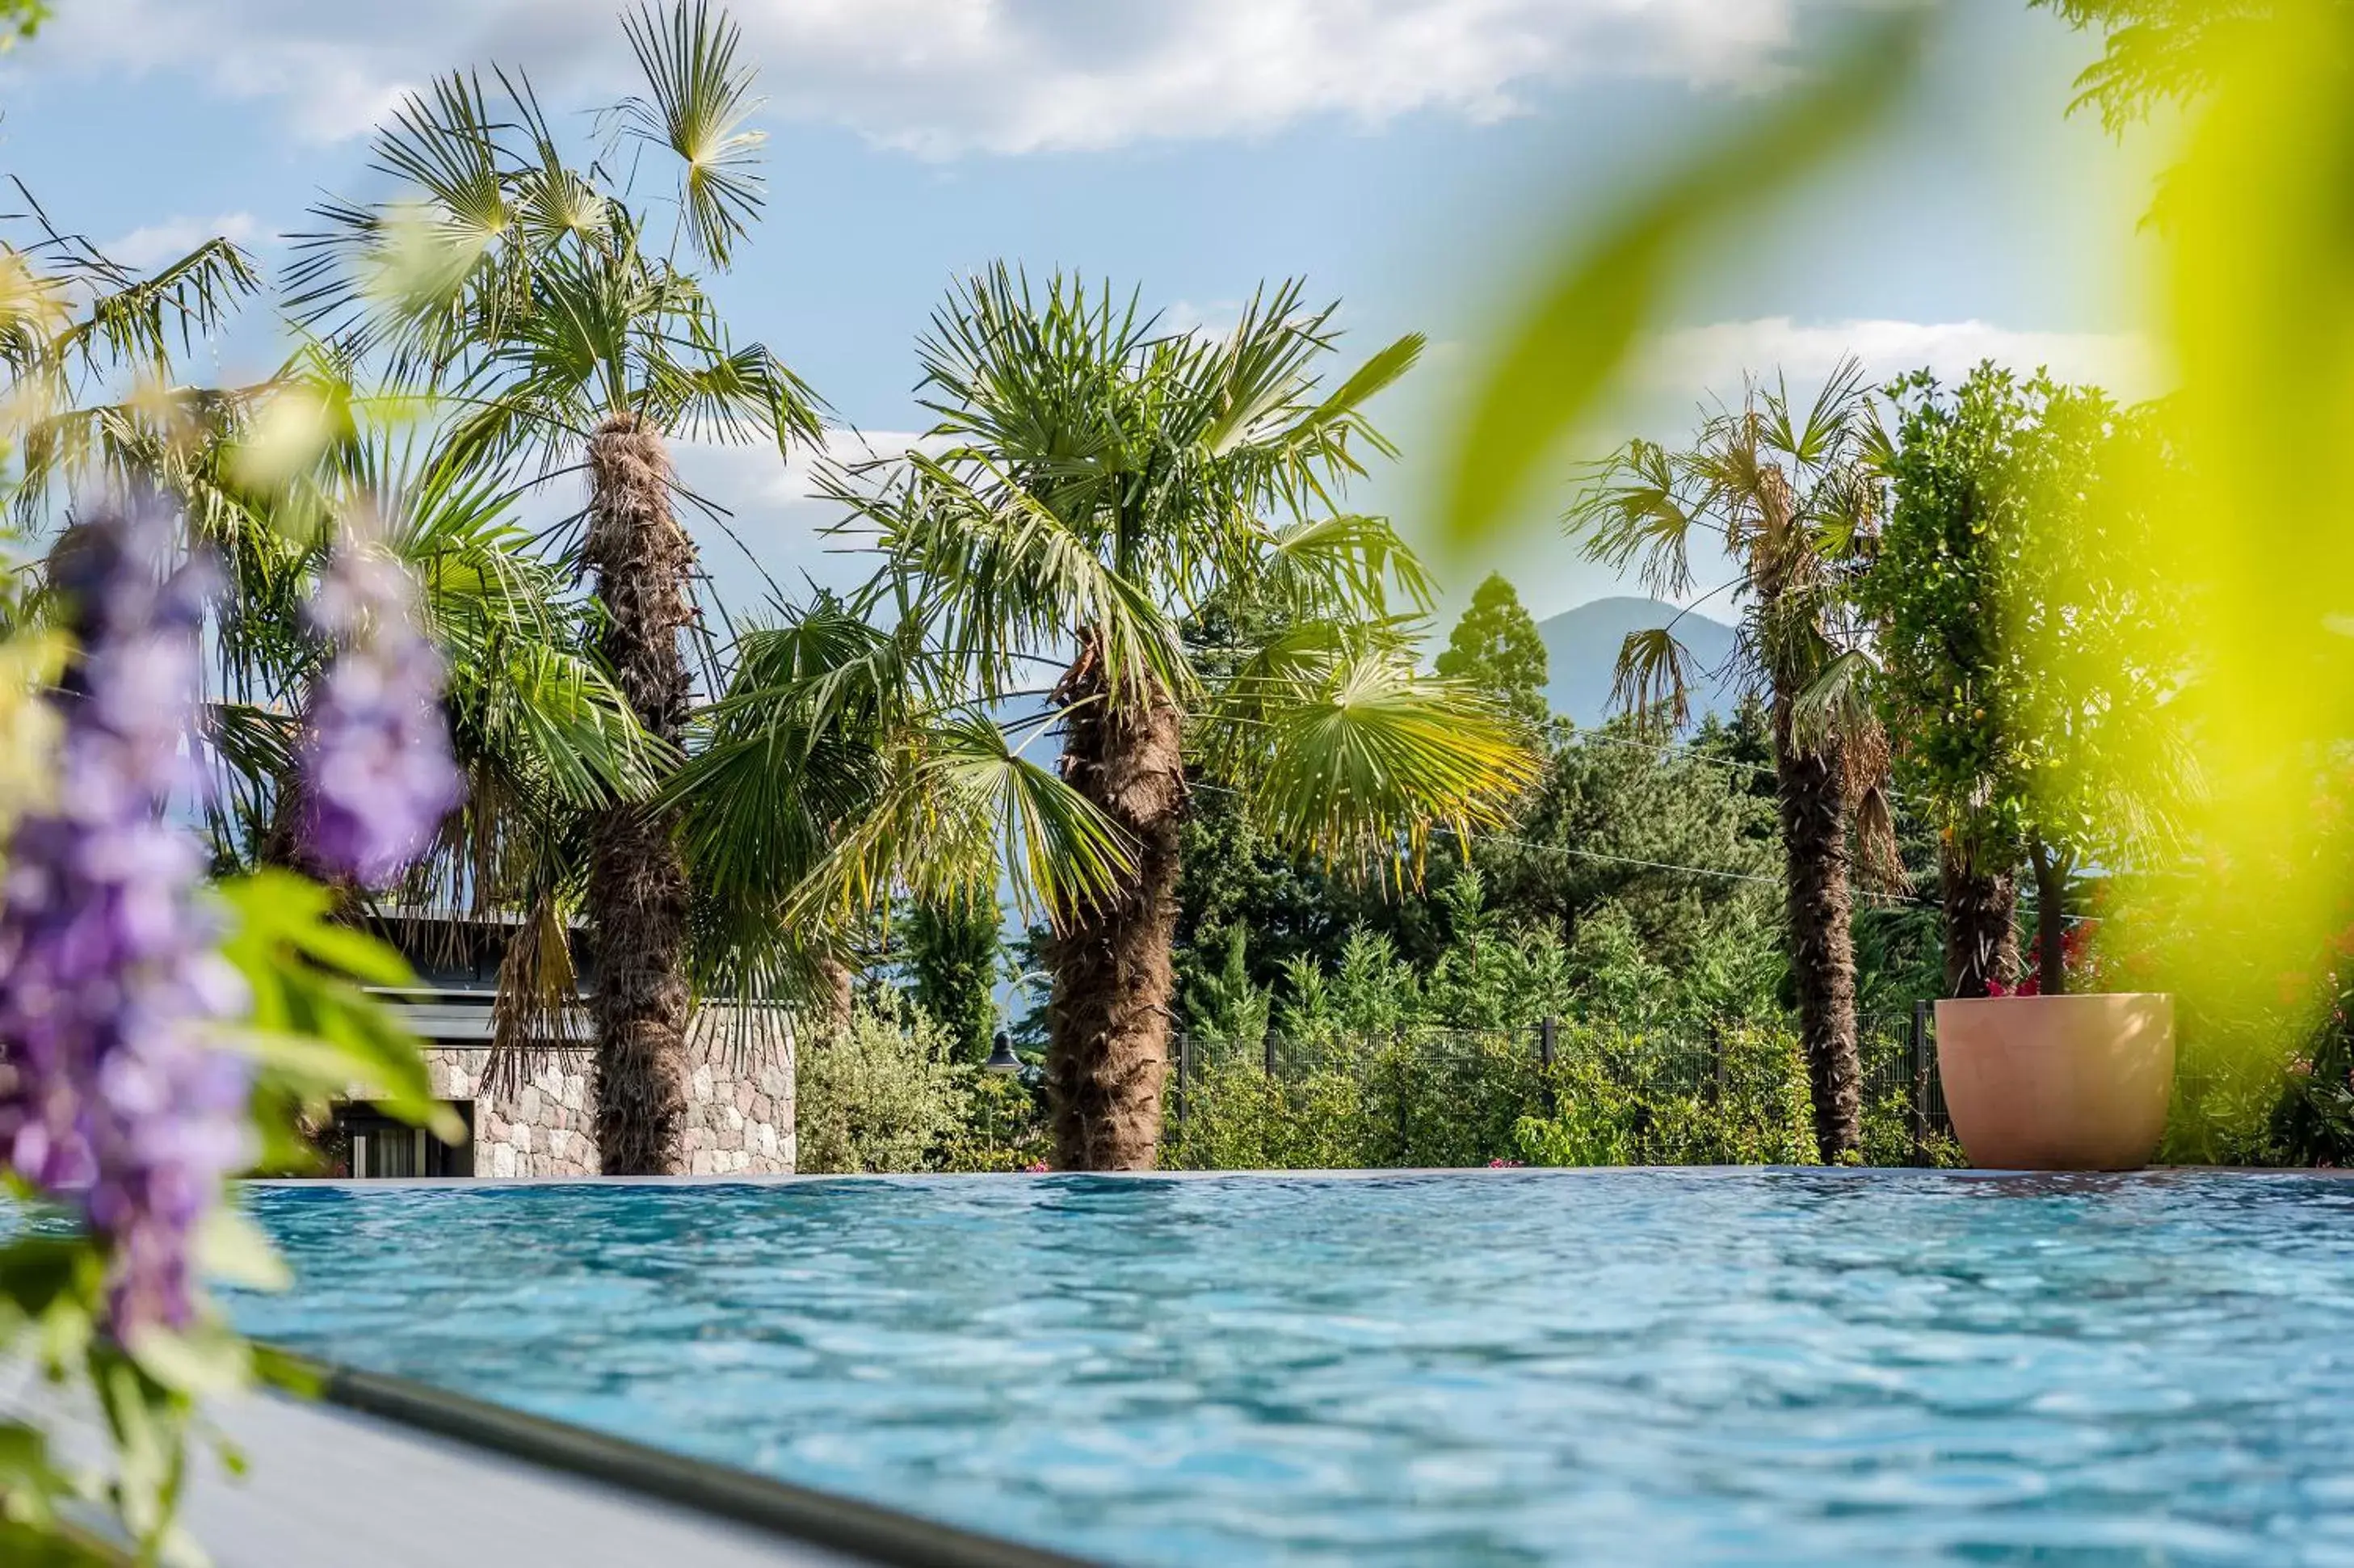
{"x": 942, "y": 77}
{"x": 1710, "y": 361}
{"x": 152, "y": 244}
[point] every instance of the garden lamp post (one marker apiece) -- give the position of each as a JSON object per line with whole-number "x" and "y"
{"x": 1003, "y": 1063}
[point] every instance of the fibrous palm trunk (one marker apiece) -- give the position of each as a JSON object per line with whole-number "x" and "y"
{"x": 840, "y": 994}
{"x": 1981, "y": 933}
{"x": 637, "y": 874}
{"x": 1109, "y": 1047}
{"x": 1811, "y": 790}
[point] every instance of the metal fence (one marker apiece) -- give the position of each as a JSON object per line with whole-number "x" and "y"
{"x": 1503, "y": 1073}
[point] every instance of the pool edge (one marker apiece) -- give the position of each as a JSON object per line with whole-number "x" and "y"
{"x": 1513, "y": 1172}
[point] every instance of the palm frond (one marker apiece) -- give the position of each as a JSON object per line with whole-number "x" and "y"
{"x": 1340, "y": 566}
{"x": 714, "y": 394}
{"x": 1345, "y": 751}
{"x": 536, "y": 1008}
{"x": 699, "y": 99}
{"x": 1376, "y": 375}
{"x": 1864, "y": 765}
{"x": 1634, "y": 512}
{"x": 1837, "y": 702}
{"x": 1651, "y": 681}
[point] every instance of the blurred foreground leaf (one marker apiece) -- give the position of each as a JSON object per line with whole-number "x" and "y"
{"x": 1559, "y": 356}
{"x": 315, "y": 1035}
{"x": 2260, "y": 227}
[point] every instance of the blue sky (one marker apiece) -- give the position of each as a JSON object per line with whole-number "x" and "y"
{"x": 1408, "y": 156}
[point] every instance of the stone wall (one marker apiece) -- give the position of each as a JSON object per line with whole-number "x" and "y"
{"x": 739, "y": 1106}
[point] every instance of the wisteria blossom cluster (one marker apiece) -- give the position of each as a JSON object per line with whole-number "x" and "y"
{"x": 111, "y": 1093}
{"x": 377, "y": 777}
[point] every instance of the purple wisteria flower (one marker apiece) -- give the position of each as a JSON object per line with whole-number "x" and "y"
{"x": 377, "y": 777}
{"x": 111, "y": 1093}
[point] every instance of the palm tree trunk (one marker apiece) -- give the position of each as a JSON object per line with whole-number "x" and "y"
{"x": 1981, "y": 932}
{"x": 637, "y": 902}
{"x": 841, "y": 995}
{"x": 1109, "y": 1038}
{"x": 1812, "y": 793}
{"x": 2051, "y": 916}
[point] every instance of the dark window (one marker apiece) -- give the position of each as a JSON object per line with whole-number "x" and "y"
{"x": 374, "y": 1147}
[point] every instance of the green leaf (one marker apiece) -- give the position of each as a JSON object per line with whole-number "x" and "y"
{"x": 288, "y": 1372}
{"x": 314, "y": 1033}
{"x": 29, "y": 1545}
{"x": 279, "y": 906}
{"x": 36, "y": 1272}
{"x": 232, "y": 1248}
{"x": 1377, "y": 374}
{"x": 201, "y": 1360}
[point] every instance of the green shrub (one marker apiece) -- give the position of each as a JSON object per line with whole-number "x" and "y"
{"x": 2234, "y": 1096}
{"x": 1632, "y": 1099}
{"x": 1888, "y": 1109}
{"x": 1232, "y": 1116}
{"x": 1004, "y": 1127}
{"x": 882, "y": 1095}
{"x": 1731, "y": 1094}
{"x": 1455, "y": 1101}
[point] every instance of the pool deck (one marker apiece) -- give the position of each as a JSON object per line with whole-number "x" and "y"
{"x": 328, "y": 1486}
{"x": 329, "y": 1483}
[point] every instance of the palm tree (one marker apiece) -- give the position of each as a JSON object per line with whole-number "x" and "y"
{"x": 539, "y": 730}
{"x": 838, "y": 764}
{"x": 89, "y": 348}
{"x": 88, "y": 353}
{"x": 1793, "y": 501}
{"x": 1090, "y": 486}
{"x": 541, "y": 733}
{"x": 525, "y": 292}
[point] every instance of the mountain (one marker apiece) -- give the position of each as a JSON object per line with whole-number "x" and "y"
{"x": 1582, "y": 650}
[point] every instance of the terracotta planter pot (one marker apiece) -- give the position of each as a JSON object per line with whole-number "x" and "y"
{"x": 2058, "y": 1082}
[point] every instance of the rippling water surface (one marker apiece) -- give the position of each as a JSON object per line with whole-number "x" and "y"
{"x": 1607, "y": 1368}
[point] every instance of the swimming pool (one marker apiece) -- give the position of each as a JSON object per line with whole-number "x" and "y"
{"x": 1490, "y": 1368}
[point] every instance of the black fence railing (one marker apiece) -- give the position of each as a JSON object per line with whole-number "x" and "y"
{"x": 1553, "y": 1090}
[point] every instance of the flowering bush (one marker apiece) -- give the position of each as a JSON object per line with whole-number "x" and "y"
{"x": 112, "y": 1097}
{"x": 157, "y": 1035}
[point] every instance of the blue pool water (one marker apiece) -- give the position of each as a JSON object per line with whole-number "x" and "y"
{"x": 1607, "y": 1368}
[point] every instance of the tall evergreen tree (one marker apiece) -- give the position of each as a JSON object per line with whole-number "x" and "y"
{"x": 1497, "y": 651}
{"x": 952, "y": 946}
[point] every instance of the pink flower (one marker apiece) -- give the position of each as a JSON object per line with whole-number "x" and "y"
{"x": 1036, "y": 1167}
